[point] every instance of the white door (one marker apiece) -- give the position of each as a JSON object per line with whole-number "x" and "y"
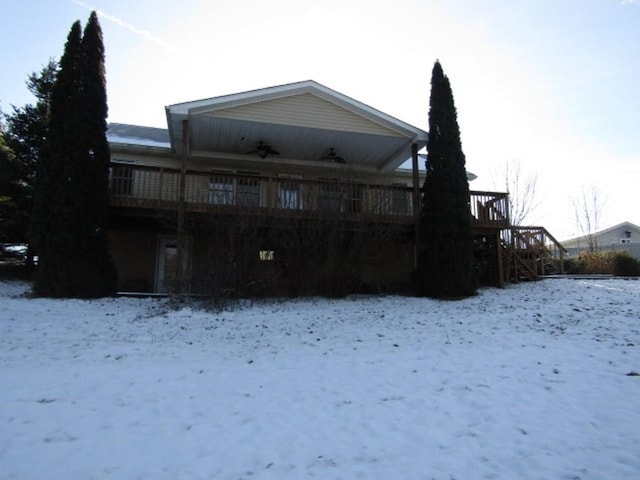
{"x": 167, "y": 262}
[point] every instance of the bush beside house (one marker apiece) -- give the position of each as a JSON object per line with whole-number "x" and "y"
{"x": 604, "y": 263}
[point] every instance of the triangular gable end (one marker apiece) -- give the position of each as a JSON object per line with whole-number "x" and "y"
{"x": 303, "y": 110}
{"x": 300, "y": 119}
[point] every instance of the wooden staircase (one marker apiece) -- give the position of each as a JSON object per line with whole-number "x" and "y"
{"x": 533, "y": 252}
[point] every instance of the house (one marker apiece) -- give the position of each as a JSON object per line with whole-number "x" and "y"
{"x": 293, "y": 189}
{"x": 622, "y": 237}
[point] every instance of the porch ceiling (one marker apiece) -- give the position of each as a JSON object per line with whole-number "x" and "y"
{"x": 301, "y": 121}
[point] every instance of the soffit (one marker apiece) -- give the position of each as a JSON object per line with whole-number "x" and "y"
{"x": 301, "y": 121}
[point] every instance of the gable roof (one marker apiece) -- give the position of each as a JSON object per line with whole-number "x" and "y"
{"x": 126, "y": 134}
{"x": 302, "y": 121}
{"x": 627, "y": 225}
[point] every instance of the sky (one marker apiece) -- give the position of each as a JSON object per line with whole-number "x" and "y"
{"x": 550, "y": 85}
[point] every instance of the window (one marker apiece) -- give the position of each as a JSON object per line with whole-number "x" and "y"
{"x": 248, "y": 192}
{"x": 121, "y": 180}
{"x": 338, "y": 196}
{"x": 399, "y": 199}
{"x": 289, "y": 195}
{"x": 221, "y": 190}
{"x": 330, "y": 196}
{"x": 229, "y": 189}
{"x": 353, "y": 197}
{"x": 266, "y": 255}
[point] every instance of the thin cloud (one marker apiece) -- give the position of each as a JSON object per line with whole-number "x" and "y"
{"x": 132, "y": 28}
{"x": 629, "y": 2}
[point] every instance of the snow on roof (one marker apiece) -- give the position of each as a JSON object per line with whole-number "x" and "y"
{"x": 138, "y": 135}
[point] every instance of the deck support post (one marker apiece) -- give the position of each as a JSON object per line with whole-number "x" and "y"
{"x": 179, "y": 276}
{"x": 416, "y": 203}
{"x": 500, "y": 260}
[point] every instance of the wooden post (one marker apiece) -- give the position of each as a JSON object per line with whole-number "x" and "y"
{"x": 160, "y": 188}
{"x": 500, "y": 260}
{"x": 179, "y": 279}
{"x": 416, "y": 203}
{"x": 512, "y": 268}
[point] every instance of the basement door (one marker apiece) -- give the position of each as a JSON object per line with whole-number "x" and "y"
{"x": 167, "y": 262}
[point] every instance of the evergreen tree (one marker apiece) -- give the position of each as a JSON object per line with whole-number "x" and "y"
{"x": 25, "y": 134}
{"x": 54, "y": 228}
{"x": 9, "y": 190}
{"x": 27, "y": 126}
{"x": 71, "y": 200}
{"x": 96, "y": 274}
{"x": 446, "y": 266}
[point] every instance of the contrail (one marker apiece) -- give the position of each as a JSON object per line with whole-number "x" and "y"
{"x": 132, "y": 28}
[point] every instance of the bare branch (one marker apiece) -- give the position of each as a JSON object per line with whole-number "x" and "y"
{"x": 522, "y": 187}
{"x": 588, "y": 209}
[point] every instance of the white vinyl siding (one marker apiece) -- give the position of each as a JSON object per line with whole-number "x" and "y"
{"x": 305, "y": 110}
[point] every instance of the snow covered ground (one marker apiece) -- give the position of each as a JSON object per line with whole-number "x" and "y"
{"x": 530, "y": 382}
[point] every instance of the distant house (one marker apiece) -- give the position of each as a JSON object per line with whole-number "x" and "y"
{"x": 622, "y": 237}
{"x": 293, "y": 189}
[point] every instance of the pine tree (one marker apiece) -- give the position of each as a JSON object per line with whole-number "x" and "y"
{"x": 27, "y": 126}
{"x": 25, "y": 134}
{"x": 9, "y": 191}
{"x": 71, "y": 199}
{"x": 446, "y": 266}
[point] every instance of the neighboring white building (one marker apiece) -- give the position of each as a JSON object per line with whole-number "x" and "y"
{"x": 624, "y": 236}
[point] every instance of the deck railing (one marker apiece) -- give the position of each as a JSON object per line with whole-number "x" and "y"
{"x": 158, "y": 188}
{"x": 490, "y": 209}
{"x": 535, "y": 252}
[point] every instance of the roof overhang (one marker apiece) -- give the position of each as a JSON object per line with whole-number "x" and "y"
{"x": 302, "y": 121}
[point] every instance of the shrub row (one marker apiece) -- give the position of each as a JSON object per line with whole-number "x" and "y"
{"x": 612, "y": 263}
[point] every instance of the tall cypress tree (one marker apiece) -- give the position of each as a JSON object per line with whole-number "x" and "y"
{"x": 446, "y": 266}
{"x": 71, "y": 198}
{"x": 53, "y": 223}
{"x": 96, "y": 274}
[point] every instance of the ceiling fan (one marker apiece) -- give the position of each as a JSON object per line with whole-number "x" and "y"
{"x": 263, "y": 150}
{"x": 332, "y": 156}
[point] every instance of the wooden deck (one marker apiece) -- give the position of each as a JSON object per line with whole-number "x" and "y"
{"x": 508, "y": 253}
{"x": 148, "y": 188}
{"x": 534, "y": 253}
